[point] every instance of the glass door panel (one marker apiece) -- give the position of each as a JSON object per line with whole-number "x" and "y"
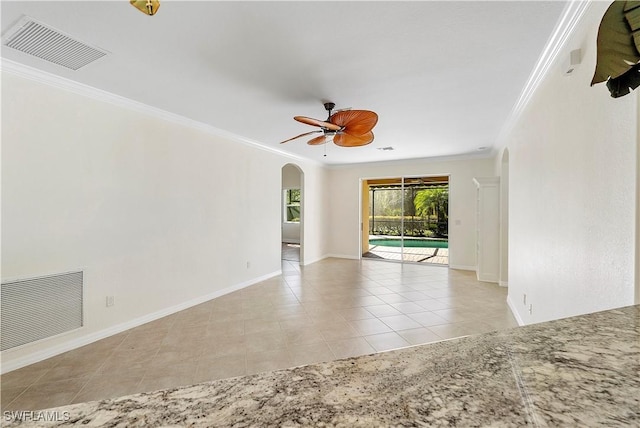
{"x": 407, "y": 219}
{"x": 385, "y": 219}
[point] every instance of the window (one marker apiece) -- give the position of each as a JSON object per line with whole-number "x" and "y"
{"x": 292, "y": 205}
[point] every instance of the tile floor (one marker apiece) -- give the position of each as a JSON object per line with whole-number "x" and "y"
{"x": 329, "y": 310}
{"x": 290, "y": 252}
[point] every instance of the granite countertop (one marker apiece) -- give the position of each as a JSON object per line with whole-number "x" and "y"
{"x": 579, "y": 371}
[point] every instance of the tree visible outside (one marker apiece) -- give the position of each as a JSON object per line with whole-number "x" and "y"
{"x": 426, "y": 211}
{"x": 292, "y": 205}
{"x": 434, "y": 202}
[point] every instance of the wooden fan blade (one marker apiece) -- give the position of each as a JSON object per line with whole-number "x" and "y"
{"x": 355, "y": 122}
{"x": 301, "y": 135}
{"x": 317, "y": 141}
{"x": 347, "y": 140}
{"x": 315, "y": 122}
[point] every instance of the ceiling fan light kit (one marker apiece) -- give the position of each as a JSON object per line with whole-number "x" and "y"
{"x": 346, "y": 128}
{"x": 149, "y": 7}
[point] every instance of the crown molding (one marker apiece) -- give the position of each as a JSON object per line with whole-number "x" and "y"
{"x": 571, "y": 16}
{"x": 81, "y": 89}
{"x": 489, "y": 154}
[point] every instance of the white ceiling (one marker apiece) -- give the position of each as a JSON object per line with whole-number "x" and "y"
{"x": 442, "y": 76}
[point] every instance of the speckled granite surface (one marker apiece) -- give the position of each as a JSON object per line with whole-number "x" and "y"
{"x": 581, "y": 371}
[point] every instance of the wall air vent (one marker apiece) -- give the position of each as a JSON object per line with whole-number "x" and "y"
{"x": 37, "y": 308}
{"x": 37, "y": 39}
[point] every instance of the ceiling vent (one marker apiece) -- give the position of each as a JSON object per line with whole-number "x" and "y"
{"x": 388, "y": 148}
{"x": 37, "y": 39}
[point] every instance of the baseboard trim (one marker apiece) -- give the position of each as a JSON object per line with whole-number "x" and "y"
{"x": 514, "y": 312}
{"x": 462, "y": 267}
{"x": 342, "y": 256}
{"x": 312, "y": 261}
{"x": 110, "y": 331}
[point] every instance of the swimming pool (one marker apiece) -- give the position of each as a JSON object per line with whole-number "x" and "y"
{"x": 414, "y": 243}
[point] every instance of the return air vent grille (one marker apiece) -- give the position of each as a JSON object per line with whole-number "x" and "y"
{"x": 34, "y": 309}
{"x": 34, "y": 38}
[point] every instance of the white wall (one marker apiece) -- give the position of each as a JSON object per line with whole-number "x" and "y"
{"x": 572, "y": 189}
{"x": 291, "y": 179}
{"x": 344, "y": 205}
{"x": 157, "y": 214}
{"x": 315, "y": 219}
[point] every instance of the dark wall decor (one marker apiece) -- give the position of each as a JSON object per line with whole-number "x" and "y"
{"x": 618, "y": 60}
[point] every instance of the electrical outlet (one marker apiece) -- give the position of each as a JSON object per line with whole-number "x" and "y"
{"x": 110, "y": 301}
{"x": 530, "y": 309}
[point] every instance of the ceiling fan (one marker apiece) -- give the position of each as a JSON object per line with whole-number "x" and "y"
{"x": 346, "y": 128}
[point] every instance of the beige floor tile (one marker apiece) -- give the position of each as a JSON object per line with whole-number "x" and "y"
{"x": 25, "y": 376}
{"x": 400, "y": 322}
{"x": 370, "y": 326}
{"x": 356, "y": 314}
{"x": 303, "y": 336}
{"x": 502, "y": 322}
{"x": 221, "y": 368}
{"x": 142, "y": 344}
{"x": 10, "y": 394}
{"x": 70, "y": 370}
{"x": 109, "y": 386}
{"x": 428, "y": 319}
{"x": 383, "y": 310}
{"x": 408, "y": 307}
{"x": 225, "y": 328}
{"x": 369, "y": 301}
{"x": 258, "y": 362}
{"x": 156, "y": 382}
{"x": 353, "y": 347}
{"x": 379, "y": 290}
{"x": 393, "y": 298}
{"x": 258, "y": 326}
{"x": 122, "y": 366}
{"x": 45, "y": 395}
{"x": 327, "y": 317}
{"x": 386, "y": 341}
{"x": 290, "y": 311}
{"x": 295, "y": 322}
{"x": 450, "y": 331}
{"x": 338, "y": 331}
{"x": 261, "y": 342}
{"x": 432, "y": 304}
{"x": 167, "y": 358}
{"x": 419, "y": 336}
{"x": 454, "y": 315}
{"x": 220, "y": 347}
{"x": 311, "y": 354}
{"x": 413, "y": 295}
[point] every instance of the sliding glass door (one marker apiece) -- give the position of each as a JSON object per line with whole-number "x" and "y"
{"x": 407, "y": 219}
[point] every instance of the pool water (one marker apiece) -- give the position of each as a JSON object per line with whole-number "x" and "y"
{"x": 414, "y": 243}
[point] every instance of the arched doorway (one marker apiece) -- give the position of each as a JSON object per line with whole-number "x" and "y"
{"x": 292, "y": 217}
